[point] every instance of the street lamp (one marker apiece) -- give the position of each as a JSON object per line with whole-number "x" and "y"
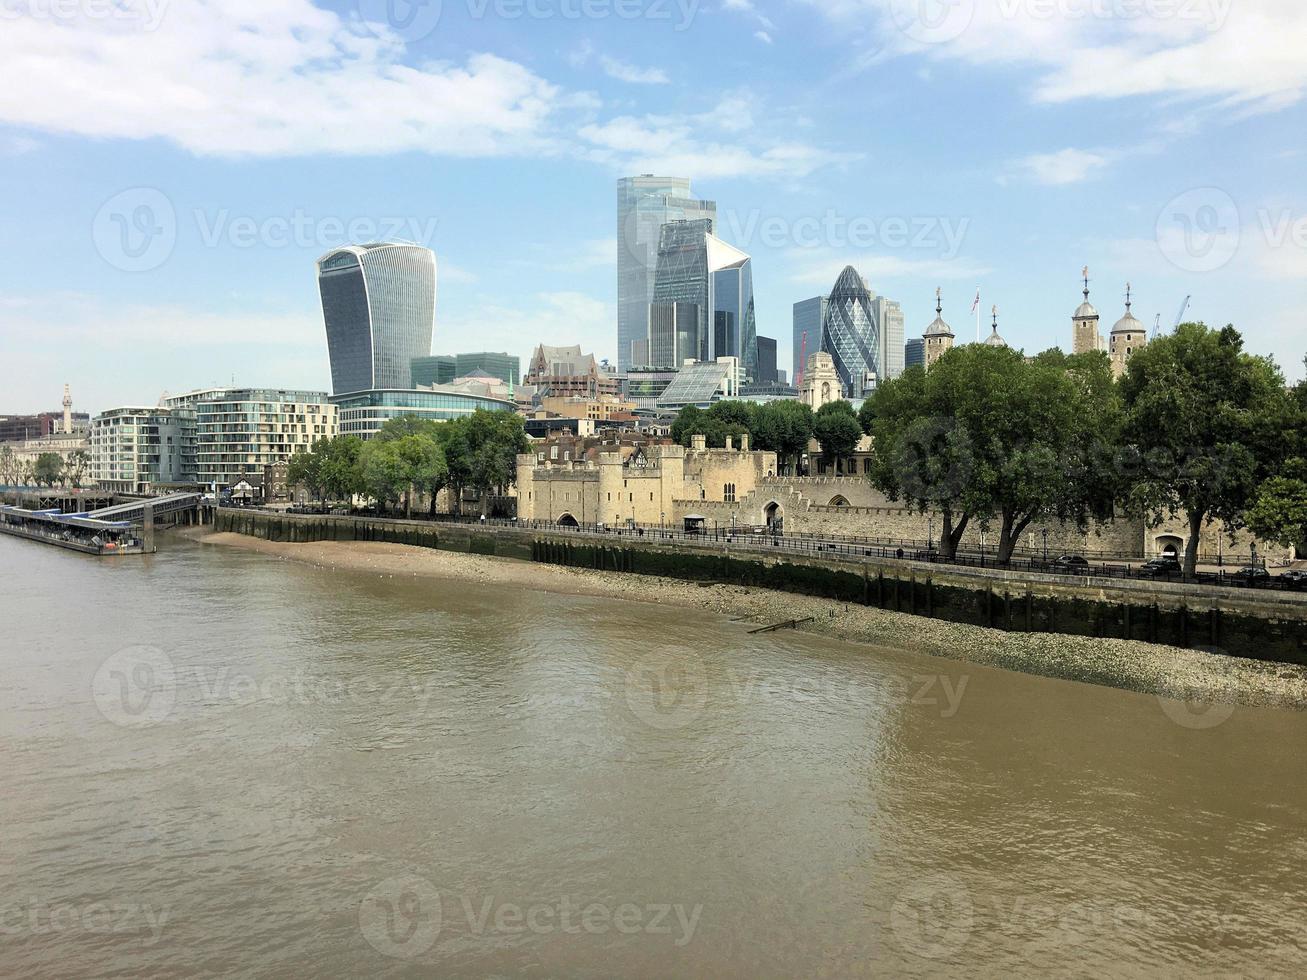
{"x": 930, "y": 534}
{"x": 1045, "y": 533}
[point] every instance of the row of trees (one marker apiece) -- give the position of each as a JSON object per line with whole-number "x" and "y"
{"x": 411, "y": 456}
{"x": 1196, "y": 426}
{"x": 782, "y": 427}
{"x": 46, "y": 470}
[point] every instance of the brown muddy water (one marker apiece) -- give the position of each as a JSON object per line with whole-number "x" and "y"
{"x": 217, "y": 762}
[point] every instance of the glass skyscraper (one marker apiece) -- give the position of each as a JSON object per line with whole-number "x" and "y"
{"x": 696, "y": 267}
{"x": 851, "y": 333}
{"x": 379, "y": 308}
{"x": 644, "y": 205}
{"x": 809, "y": 315}
{"x": 889, "y": 318}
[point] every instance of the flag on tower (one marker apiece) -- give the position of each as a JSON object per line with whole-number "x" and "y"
{"x": 976, "y": 305}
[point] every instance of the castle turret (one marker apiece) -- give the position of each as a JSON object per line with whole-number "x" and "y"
{"x": 1127, "y": 337}
{"x": 939, "y": 335}
{"x": 1084, "y": 324}
{"x": 994, "y": 340}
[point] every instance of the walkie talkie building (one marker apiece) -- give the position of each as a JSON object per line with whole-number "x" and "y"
{"x": 379, "y": 308}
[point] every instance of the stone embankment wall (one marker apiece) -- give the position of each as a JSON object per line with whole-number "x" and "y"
{"x": 1258, "y": 625}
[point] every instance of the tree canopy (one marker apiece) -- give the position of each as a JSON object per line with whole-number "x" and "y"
{"x": 837, "y": 429}
{"x": 987, "y": 436}
{"x": 1204, "y": 423}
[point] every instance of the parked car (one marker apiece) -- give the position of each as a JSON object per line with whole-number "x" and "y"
{"x": 1070, "y": 563}
{"x": 1295, "y": 578}
{"x": 1252, "y": 575}
{"x": 1165, "y": 565}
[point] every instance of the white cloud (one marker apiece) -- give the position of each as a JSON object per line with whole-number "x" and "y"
{"x": 286, "y": 78}
{"x": 585, "y": 52}
{"x": 1069, "y": 166}
{"x": 624, "y": 72}
{"x": 763, "y": 36}
{"x": 685, "y": 144}
{"x": 274, "y": 77}
{"x": 1247, "y": 54}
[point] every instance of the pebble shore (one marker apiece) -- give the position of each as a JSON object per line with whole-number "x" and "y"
{"x": 1173, "y": 672}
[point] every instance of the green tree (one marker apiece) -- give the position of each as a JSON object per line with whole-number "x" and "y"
{"x": 985, "y": 436}
{"x": 305, "y": 469}
{"x": 385, "y": 474}
{"x": 48, "y": 469}
{"x": 342, "y": 468}
{"x": 1279, "y": 511}
{"x": 693, "y": 421}
{"x": 424, "y": 464}
{"x": 492, "y": 441}
{"x": 9, "y": 467}
{"x": 1203, "y": 421}
{"x": 79, "y": 461}
{"x": 784, "y": 428}
{"x": 838, "y": 430}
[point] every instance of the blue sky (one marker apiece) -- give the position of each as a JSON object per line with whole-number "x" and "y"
{"x": 173, "y": 169}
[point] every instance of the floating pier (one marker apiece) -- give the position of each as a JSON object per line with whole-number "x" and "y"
{"x": 123, "y": 529}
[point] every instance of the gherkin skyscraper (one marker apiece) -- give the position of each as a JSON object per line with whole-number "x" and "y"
{"x": 850, "y": 333}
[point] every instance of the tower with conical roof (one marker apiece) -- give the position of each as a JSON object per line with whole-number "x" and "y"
{"x": 1084, "y": 324}
{"x": 939, "y": 335}
{"x": 1127, "y": 337}
{"x": 994, "y": 340}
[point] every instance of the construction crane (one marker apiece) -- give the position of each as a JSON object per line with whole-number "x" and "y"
{"x": 1184, "y": 307}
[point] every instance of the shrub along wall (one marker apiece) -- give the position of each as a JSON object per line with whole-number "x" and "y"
{"x": 1226, "y": 624}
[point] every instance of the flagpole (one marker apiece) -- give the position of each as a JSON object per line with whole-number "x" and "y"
{"x": 977, "y": 314}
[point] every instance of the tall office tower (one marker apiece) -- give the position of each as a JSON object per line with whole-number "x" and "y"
{"x": 809, "y": 315}
{"x": 851, "y": 334}
{"x": 914, "y": 353}
{"x": 766, "y": 361}
{"x": 695, "y": 266}
{"x": 379, "y": 308}
{"x": 889, "y": 321}
{"x": 674, "y": 335}
{"x": 644, "y": 205}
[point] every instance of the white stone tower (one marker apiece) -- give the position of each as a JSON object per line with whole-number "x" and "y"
{"x": 939, "y": 335}
{"x": 1084, "y": 324}
{"x": 68, "y": 411}
{"x": 1127, "y": 337}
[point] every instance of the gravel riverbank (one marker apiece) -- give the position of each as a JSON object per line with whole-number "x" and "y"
{"x": 1187, "y": 675}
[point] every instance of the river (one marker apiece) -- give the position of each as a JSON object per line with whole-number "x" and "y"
{"x": 217, "y": 761}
